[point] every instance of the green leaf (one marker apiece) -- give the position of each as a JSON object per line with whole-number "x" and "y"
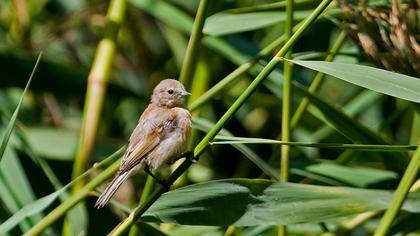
{"x": 228, "y": 23}
{"x": 58, "y": 144}
{"x": 11, "y": 125}
{"x": 355, "y": 176}
{"x": 246, "y": 202}
{"x": 382, "y": 81}
{"x": 18, "y": 189}
{"x": 166, "y": 13}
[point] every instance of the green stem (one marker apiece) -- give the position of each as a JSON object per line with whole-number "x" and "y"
{"x": 229, "y": 79}
{"x": 190, "y": 58}
{"x": 97, "y": 79}
{"x": 415, "y": 128}
{"x": 287, "y": 99}
{"x": 199, "y": 149}
{"x": 400, "y": 194}
{"x": 271, "y": 6}
{"x": 316, "y": 83}
{"x": 147, "y": 190}
{"x": 286, "y": 106}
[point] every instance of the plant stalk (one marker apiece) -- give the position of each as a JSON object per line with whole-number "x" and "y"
{"x": 97, "y": 80}
{"x": 95, "y": 96}
{"x": 286, "y": 106}
{"x": 147, "y": 190}
{"x": 319, "y": 77}
{"x": 400, "y": 194}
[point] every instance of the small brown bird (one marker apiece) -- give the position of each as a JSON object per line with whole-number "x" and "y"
{"x": 160, "y": 135}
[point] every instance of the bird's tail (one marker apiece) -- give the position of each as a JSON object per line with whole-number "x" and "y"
{"x": 111, "y": 189}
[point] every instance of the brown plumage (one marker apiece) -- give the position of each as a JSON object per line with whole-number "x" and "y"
{"x": 160, "y": 135}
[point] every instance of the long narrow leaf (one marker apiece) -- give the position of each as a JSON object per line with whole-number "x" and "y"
{"x": 11, "y": 125}
{"x": 367, "y": 147}
{"x": 382, "y": 81}
{"x": 19, "y": 188}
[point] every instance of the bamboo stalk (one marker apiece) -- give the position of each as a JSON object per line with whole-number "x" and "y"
{"x": 286, "y": 106}
{"x": 287, "y": 98}
{"x": 97, "y": 80}
{"x": 95, "y": 95}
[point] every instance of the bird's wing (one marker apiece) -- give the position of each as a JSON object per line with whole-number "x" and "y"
{"x": 146, "y": 136}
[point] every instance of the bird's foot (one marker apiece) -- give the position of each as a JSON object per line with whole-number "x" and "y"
{"x": 161, "y": 182}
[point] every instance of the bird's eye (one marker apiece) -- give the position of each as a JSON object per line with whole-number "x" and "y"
{"x": 170, "y": 91}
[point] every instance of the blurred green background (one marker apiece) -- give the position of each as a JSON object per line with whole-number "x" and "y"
{"x": 151, "y": 45}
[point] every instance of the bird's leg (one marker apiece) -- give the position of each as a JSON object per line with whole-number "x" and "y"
{"x": 161, "y": 182}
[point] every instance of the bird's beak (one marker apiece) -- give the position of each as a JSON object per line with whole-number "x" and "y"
{"x": 185, "y": 94}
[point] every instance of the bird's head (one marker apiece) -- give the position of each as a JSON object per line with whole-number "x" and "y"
{"x": 169, "y": 93}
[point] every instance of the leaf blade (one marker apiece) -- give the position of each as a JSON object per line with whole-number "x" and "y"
{"x": 11, "y": 125}
{"x": 382, "y": 81}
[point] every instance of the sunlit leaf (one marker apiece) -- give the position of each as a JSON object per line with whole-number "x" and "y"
{"x": 382, "y": 81}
